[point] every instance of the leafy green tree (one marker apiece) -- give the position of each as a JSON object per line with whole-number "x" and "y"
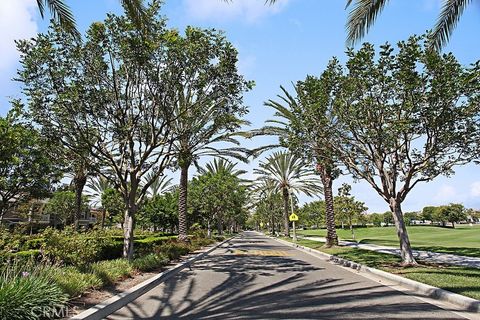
{"x": 306, "y": 128}
{"x": 388, "y": 218}
{"x": 27, "y": 169}
{"x": 405, "y": 117}
{"x": 428, "y": 213}
{"x": 114, "y": 205}
{"x": 62, "y": 206}
{"x": 312, "y": 214}
{"x": 218, "y": 196}
{"x": 267, "y": 201}
{"x": 347, "y": 208}
{"x": 208, "y": 106}
{"x": 160, "y": 212}
{"x": 124, "y": 131}
{"x": 456, "y": 212}
{"x": 365, "y": 12}
{"x": 376, "y": 219}
{"x": 290, "y": 174}
{"x": 409, "y": 217}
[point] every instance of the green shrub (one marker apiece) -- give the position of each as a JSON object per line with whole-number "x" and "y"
{"x": 173, "y": 249}
{"x": 74, "y": 248}
{"x": 110, "y": 271}
{"x": 73, "y": 282}
{"x": 29, "y": 293}
{"x": 150, "y": 262}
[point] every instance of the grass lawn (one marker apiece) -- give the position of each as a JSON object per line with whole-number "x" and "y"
{"x": 464, "y": 281}
{"x": 463, "y": 240}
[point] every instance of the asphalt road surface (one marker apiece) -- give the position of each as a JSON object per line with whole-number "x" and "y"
{"x": 254, "y": 277}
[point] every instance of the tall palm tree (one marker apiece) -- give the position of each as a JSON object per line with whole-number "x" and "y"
{"x": 364, "y": 13}
{"x": 290, "y": 175}
{"x": 62, "y": 14}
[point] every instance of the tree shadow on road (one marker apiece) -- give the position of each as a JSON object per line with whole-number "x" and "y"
{"x": 270, "y": 287}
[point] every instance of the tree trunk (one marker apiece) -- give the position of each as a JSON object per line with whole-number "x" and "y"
{"x": 405, "y": 247}
{"x": 453, "y": 224}
{"x": 327, "y": 181}
{"x": 209, "y": 230}
{"x": 2, "y": 213}
{"x": 351, "y": 228}
{"x": 286, "y": 228}
{"x": 104, "y": 213}
{"x": 129, "y": 225}
{"x": 272, "y": 222}
{"x": 79, "y": 182}
{"x": 182, "y": 204}
{"x": 219, "y": 225}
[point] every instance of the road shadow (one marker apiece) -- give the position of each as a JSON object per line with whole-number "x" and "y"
{"x": 229, "y": 286}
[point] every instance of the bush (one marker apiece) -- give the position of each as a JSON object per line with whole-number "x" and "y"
{"x": 29, "y": 293}
{"x": 150, "y": 262}
{"x": 173, "y": 249}
{"x": 74, "y": 248}
{"x": 110, "y": 271}
{"x": 73, "y": 282}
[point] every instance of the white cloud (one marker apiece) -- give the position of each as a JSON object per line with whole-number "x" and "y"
{"x": 475, "y": 189}
{"x": 446, "y": 193}
{"x": 248, "y": 10}
{"x": 16, "y": 22}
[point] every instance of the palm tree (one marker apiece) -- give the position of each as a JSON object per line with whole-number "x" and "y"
{"x": 290, "y": 174}
{"x": 62, "y": 14}
{"x": 264, "y": 192}
{"x": 364, "y": 13}
{"x": 308, "y": 124}
{"x": 159, "y": 185}
{"x": 220, "y": 165}
{"x": 97, "y": 187}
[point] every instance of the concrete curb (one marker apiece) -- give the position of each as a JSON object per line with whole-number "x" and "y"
{"x": 109, "y": 306}
{"x": 466, "y": 303}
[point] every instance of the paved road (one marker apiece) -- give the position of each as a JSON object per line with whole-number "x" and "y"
{"x": 434, "y": 257}
{"x": 254, "y": 277}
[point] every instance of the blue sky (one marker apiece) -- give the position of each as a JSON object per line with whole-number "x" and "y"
{"x": 277, "y": 45}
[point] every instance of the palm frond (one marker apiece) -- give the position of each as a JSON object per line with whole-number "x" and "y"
{"x": 61, "y": 13}
{"x": 448, "y": 19}
{"x": 362, "y": 17}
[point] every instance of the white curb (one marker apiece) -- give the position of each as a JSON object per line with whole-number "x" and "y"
{"x": 109, "y": 306}
{"x": 463, "y": 302}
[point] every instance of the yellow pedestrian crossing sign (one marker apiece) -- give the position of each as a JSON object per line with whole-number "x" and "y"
{"x": 293, "y": 217}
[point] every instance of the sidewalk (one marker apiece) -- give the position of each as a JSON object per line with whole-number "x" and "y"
{"x": 434, "y": 257}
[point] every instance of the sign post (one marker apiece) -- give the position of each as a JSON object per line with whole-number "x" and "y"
{"x": 293, "y": 217}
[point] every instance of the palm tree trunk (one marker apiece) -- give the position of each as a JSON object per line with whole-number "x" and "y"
{"x": 272, "y": 220}
{"x": 405, "y": 247}
{"x": 286, "y": 227}
{"x": 182, "y": 204}
{"x": 327, "y": 181}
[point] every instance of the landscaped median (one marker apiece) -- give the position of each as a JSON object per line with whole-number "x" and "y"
{"x": 72, "y": 264}
{"x": 461, "y": 280}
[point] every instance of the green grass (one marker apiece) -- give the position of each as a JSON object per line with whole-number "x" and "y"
{"x": 464, "y": 281}
{"x": 463, "y": 240}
